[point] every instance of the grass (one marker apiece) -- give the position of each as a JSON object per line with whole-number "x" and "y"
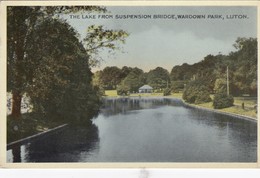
{"x": 248, "y": 101}
{"x": 249, "y": 109}
{"x": 110, "y": 93}
{"x": 28, "y": 125}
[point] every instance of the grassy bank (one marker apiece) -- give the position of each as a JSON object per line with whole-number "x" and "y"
{"x": 28, "y": 125}
{"x": 247, "y": 111}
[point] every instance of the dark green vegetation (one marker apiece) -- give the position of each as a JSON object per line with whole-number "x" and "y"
{"x": 129, "y": 80}
{"x": 196, "y": 81}
{"x": 196, "y": 92}
{"x": 47, "y": 61}
{"x": 29, "y": 124}
{"x": 242, "y": 65}
{"x": 222, "y": 100}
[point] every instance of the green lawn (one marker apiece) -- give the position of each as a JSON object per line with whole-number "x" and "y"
{"x": 248, "y": 111}
{"x": 110, "y": 93}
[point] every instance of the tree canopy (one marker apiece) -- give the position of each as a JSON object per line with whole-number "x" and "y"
{"x": 242, "y": 65}
{"x": 47, "y": 61}
{"x": 158, "y": 78}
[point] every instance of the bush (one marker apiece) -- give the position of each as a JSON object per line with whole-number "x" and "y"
{"x": 222, "y": 100}
{"x": 202, "y": 97}
{"x": 123, "y": 90}
{"x": 167, "y": 92}
{"x": 196, "y": 92}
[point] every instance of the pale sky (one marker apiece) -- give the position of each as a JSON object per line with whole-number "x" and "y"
{"x": 170, "y": 42}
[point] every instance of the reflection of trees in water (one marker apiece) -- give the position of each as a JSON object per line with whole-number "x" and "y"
{"x": 62, "y": 146}
{"x": 16, "y": 151}
{"x": 113, "y": 106}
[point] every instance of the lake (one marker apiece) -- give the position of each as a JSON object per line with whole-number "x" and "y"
{"x": 147, "y": 130}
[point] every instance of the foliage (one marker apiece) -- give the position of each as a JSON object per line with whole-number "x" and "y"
{"x": 167, "y": 92}
{"x": 222, "y": 100}
{"x": 158, "y": 78}
{"x": 110, "y": 77}
{"x": 133, "y": 81}
{"x": 180, "y": 73}
{"x": 196, "y": 92}
{"x": 60, "y": 86}
{"x": 53, "y": 67}
{"x": 220, "y": 85}
{"x": 123, "y": 90}
{"x": 98, "y": 39}
{"x": 177, "y": 86}
{"x": 242, "y": 66}
{"x": 96, "y": 82}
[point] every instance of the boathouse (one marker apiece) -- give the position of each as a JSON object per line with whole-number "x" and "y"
{"x": 145, "y": 89}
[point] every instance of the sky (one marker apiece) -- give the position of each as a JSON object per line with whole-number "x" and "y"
{"x": 166, "y": 43}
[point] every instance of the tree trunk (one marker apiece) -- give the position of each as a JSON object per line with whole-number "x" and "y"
{"x": 16, "y": 105}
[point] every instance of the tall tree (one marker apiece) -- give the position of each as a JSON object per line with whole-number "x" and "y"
{"x": 21, "y": 21}
{"x": 110, "y": 77}
{"x": 158, "y": 78}
{"x": 60, "y": 83}
{"x": 133, "y": 80}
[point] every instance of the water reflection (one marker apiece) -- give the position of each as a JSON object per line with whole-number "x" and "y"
{"x": 113, "y": 106}
{"x": 147, "y": 130}
{"x": 52, "y": 148}
{"x": 16, "y": 151}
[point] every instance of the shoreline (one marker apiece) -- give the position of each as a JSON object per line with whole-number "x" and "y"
{"x": 221, "y": 112}
{"x": 35, "y": 136}
{"x": 254, "y": 119}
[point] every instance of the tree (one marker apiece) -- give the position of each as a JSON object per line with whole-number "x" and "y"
{"x": 245, "y": 62}
{"x": 177, "y": 86}
{"x": 99, "y": 38}
{"x": 123, "y": 89}
{"x": 167, "y": 92}
{"x": 133, "y": 81}
{"x": 183, "y": 72}
{"x": 21, "y": 21}
{"x": 242, "y": 66}
{"x": 158, "y": 78}
{"x": 61, "y": 84}
{"x": 196, "y": 92}
{"x": 110, "y": 77}
{"x": 96, "y": 81}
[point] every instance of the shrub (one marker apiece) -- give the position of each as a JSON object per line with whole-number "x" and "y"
{"x": 222, "y": 100}
{"x": 167, "y": 92}
{"x": 123, "y": 90}
{"x": 202, "y": 97}
{"x": 196, "y": 92}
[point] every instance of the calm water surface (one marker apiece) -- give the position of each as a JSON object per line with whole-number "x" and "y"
{"x": 147, "y": 130}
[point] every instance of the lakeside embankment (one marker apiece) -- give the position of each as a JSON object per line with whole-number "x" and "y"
{"x": 32, "y": 124}
{"x": 248, "y": 112}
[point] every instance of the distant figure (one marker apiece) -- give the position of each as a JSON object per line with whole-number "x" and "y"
{"x": 243, "y": 105}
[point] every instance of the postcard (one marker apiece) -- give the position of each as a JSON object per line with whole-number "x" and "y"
{"x": 129, "y": 84}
